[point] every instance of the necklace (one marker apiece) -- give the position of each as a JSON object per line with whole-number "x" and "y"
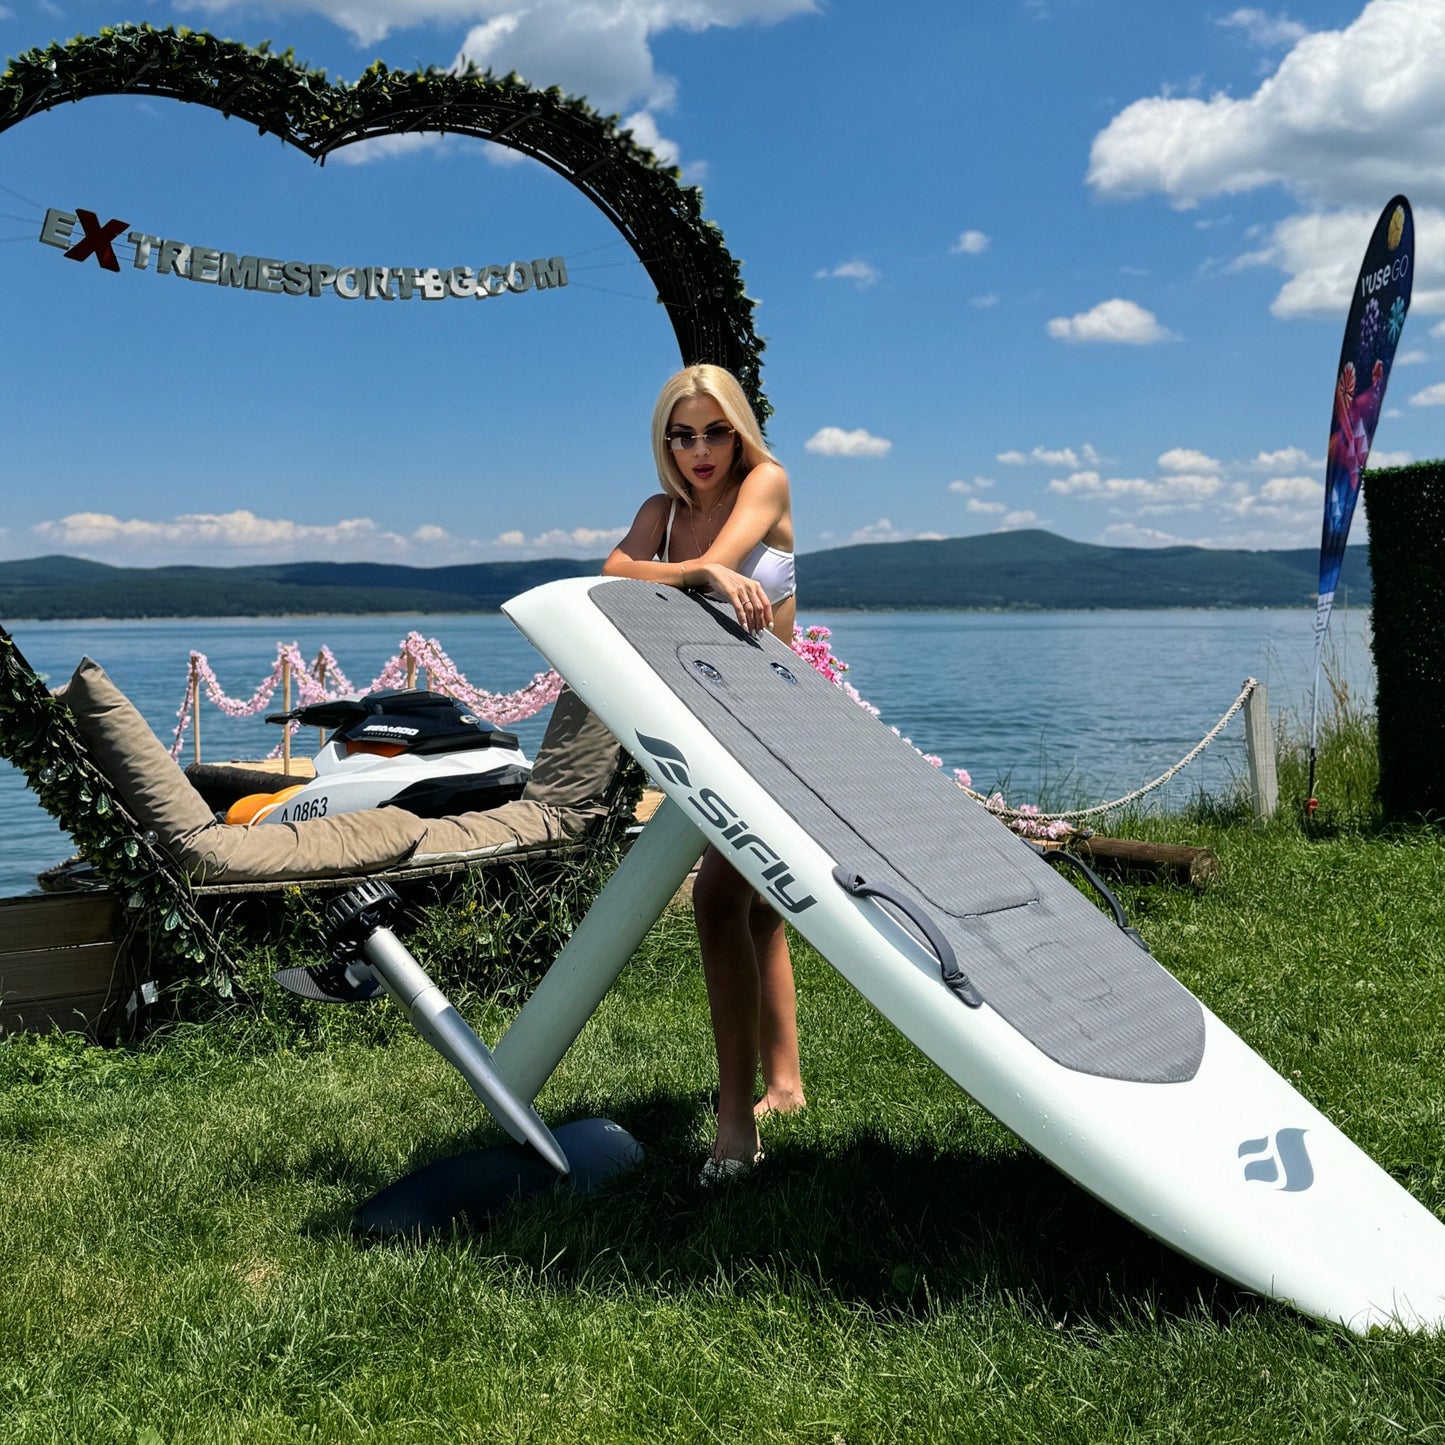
{"x": 707, "y": 517}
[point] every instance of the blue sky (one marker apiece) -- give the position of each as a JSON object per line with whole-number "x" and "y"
{"x": 1075, "y": 264}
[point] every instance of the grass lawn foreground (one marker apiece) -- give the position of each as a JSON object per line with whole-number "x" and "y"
{"x": 176, "y": 1263}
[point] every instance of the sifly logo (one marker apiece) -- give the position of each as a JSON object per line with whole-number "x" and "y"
{"x": 670, "y": 762}
{"x": 1288, "y": 1154}
{"x": 715, "y": 810}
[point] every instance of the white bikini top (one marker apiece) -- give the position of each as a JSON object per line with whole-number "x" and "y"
{"x": 764, "y": 564}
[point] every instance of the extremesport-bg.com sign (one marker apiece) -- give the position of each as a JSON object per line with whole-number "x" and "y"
{"x": 163, "y": 257}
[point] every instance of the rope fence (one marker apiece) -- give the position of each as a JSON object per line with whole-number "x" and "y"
{"x": 1251, "y": 686}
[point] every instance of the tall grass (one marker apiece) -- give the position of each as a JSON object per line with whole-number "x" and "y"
{"x": 176, "y": 1262}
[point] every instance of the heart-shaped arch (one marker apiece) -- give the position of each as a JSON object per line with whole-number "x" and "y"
{"x": 661, "y": 219}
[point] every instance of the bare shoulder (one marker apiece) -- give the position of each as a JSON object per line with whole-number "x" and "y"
{"x": 654, "y": 509}
{"x": 767, "y": 479}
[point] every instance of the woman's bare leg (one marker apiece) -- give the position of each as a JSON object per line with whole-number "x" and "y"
{"x": 777, "y": 1014}
{"x": 722, "y": 902}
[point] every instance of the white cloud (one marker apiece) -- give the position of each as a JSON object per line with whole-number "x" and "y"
{"x": 601, "y": 49}
{"x": 1050, "y": 457}
{"x": 1412, "y": 357}
{"x": 1183, "y": 459}
{"x": 1285, "y": 457}
{"x": 1127, "y": 534}
{"x": 833, "y": 441}
{"x": 1013, "y": 520}
{"x": 859, "y": 272}
{"x": 970, "y": 243}
{"x": 216, "y": 538}
{"x": 880, "y": 531}
{"x": 978, "y": 484}
{"x": 1321, "y": 252}
{"x": 1391, "y": 459}
{"x": 1265, "y": 30}
{"x": 239, "y": 531}
{"x": 984, "y": 300}
{"x": 1431, "y": 396}
{"x": 1289, "y": 490}
{"x": 645, "y": 133}
{"x": 562, "y": 542}
{"x": 1349, "y": 116}
{"x": 394, "y": 147}
{"x": 1117, "y": 321}
{"x": 1160, "y": 493}
{"x": 982, "y": 508}
{"x": 1272, "y": 499}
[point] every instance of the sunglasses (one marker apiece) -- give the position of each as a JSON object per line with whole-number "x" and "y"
{"x": 684, "y": 440}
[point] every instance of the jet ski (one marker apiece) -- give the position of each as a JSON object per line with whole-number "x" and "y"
{"x": 422, "y": 751}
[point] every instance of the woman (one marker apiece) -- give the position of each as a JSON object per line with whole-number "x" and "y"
{"x": 724, "y": 524}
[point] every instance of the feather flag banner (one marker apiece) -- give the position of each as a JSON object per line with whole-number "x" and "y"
{"x": 1376, "y": 321}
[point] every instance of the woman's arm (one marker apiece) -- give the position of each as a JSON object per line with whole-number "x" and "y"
{"x": 762, "y": 510}
{"x": 762, "y": 504}
{"x": 635, "y": 555}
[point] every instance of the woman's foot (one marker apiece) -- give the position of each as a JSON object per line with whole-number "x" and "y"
{"x": 780, "y": 1101}
{"x": 717, "y": 1171}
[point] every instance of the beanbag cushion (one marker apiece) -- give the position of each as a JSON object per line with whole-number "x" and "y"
{"x": 575, "y": 765}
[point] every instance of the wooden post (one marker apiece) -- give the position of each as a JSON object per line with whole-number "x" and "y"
{"x": 1259, "y": 747}
{"x": 196, "y": 707}
{"x": 286, "y": 707}
{"x": 410, "y": 672}
{"x": 321, "y": 678}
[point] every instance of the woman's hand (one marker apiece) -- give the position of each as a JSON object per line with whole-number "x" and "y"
{"x": 747, "y": 598}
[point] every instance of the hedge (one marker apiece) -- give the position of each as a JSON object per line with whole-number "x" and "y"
{"x": 1406, "y": 511}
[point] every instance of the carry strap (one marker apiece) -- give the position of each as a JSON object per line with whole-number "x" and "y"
{"x": 1062, "y": 855}
{"x": 957, "y": 980}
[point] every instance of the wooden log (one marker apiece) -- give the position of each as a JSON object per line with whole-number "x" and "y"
{"x": 1133, "y": 859}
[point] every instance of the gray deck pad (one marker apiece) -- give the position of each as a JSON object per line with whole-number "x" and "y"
{"x": 1042, "y": 955}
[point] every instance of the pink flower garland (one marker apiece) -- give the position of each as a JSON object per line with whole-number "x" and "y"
{"x": 425, "y": 654}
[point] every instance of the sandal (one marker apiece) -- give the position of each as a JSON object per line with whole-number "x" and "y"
{"x": 722, "y": 1171}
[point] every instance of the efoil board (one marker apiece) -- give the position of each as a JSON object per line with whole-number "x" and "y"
{"x": 1083, "y": 1044}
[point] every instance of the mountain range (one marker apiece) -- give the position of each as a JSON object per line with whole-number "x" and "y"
{"x": 1005, "y": 571}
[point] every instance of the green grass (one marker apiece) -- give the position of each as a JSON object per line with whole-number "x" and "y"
{"x": 176, "y": 1262}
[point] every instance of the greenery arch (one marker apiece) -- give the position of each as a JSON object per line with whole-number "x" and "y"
{"x": 697, "y": 280}
{"x": 661, "y": 219}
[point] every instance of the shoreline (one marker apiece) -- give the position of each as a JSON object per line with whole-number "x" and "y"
{"x": 880, "y": 609}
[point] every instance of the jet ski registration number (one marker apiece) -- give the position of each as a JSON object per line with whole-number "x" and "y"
{"x": 303, "y": 810}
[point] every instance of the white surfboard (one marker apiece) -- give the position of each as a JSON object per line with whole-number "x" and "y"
{"x": 1050, "y": 1016}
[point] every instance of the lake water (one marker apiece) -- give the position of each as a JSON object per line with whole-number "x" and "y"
{"x": 1060, "y": 708}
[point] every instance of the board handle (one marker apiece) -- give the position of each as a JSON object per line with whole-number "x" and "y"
{"x": 958, "y": 982}
{"x": 1062, "y": 855}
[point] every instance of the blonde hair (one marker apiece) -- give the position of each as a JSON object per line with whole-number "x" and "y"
{"x": 721, "y": 386}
